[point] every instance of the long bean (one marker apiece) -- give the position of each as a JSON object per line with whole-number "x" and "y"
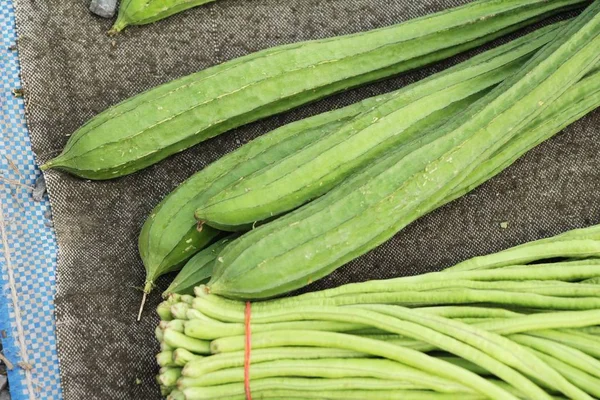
{"x": 580, "y": 378}
{"x": 169, "y": 376}
{"x": 159, "y": 334}
{"x": 569, "y": 355}
{"x": 182, "y": 357}
{"x": 196, "y": 394}
{"x": 331, "y": 369}
{"x": 177, "y": 325}
{"x": 479, "y": 339}
{"x": 207, "y": 331}
{"x": 175, "y": 340}
{"x": 165, "y": 390}
{"x": 164, "y": 311}
{"x": 495, "y": 345}
{"x": 591, "y": 330}
{"x": 303, "y": 384}
{"x": 566, "y": 272}
{"x": 547, "y": 288}
{"x": 532, "y": 251}
{"x": 468, "y": 312}
{"x": 536, "y": 322}
{"x": 409, "y": 357}
{"x": 580, "y": 334}
{"x": 179, "y": 310}
{"x": 592, "y": 281}
{"x": 176, "y": 395}
{"x": 435, "y": 338}
{"x": 454, "y": 333}
{"x": 460, "y": 362}
{"x": 165, "y": 359}
{"x": 234, "y": 312}
{"x": 586, "y": 345}
{"x": 236, "y": 358}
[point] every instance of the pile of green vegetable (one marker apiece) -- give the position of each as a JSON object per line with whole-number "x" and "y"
{"x": 522, "y": 323}
{"x": 314, "y": 194}
{"x": 376, "y": 166}
{"x": 170, "y": 235}
{"x": 295, "y": 204}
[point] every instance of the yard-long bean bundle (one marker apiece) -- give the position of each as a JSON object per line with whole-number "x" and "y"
{"x": 522, "y": 323}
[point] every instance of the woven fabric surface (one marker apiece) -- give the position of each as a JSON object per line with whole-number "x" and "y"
{"x": 72, "y": 70}
{"x": 27, "y": 242}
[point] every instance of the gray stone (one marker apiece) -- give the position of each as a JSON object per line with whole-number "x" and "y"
{"x": 104, "y": 8}
{"x": 39, "y": 189}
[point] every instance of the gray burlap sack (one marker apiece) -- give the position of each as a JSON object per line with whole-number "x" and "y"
{"x": 72, "y": 70}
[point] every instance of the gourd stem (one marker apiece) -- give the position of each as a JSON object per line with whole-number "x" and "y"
{"x": 142, "y": 306}
{"x": 119, "y": 25}
{"x": 147, "y": 290}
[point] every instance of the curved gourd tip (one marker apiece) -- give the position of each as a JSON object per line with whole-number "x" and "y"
{"x": 56, "y": 162}
{"x": 118, "y": 26}
{"x": 200, "y": 225}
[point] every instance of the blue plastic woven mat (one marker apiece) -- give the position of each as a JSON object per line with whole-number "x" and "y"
{"x": 27, "y": 263}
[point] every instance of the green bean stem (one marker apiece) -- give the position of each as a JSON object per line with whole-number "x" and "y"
{"x": 165, "y": 359}
{"x": 169, "y": 376}
{"x": 164, "y": 311}
{"x": 179, "y": 310}
{"x": 176, "y": 340}
{"x": 182, "y": 357}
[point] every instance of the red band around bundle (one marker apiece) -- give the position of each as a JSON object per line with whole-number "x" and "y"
{"x": 248, "y": 348}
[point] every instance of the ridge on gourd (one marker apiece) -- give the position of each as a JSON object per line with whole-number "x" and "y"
{"x": 164, "y": 241}
{"x": 173, "y": 117}
{"x": 318, "y": 167}
{"x": 573, "y": 105}
{"x": 374, "y": 204}
{"x": 141, "y": 12}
